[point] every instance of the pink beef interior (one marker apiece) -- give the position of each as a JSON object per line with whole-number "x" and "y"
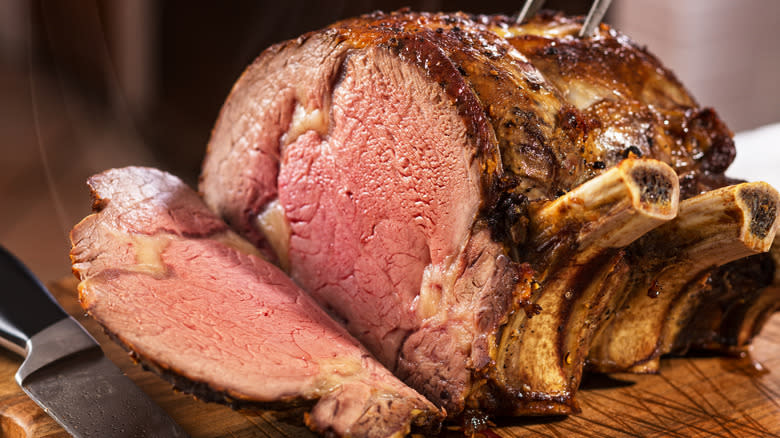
{"x": 175, "y": 286}
{"x": 264, "y": 361}
{"x": 387, "y": 191}
{"x": 376, "y": 176}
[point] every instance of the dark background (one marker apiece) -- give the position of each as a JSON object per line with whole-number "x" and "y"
{"x": 87, "y": 85}
{"x": 181, "y": 59}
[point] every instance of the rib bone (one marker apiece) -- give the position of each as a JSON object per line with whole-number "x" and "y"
{"x": 540, "y": 358}
{"x": 742, "y": 324}
{"x": 609, "y": 211}
{"x": 671, "y": 266}
{"x": 743, "y": 295}
{"x": 754, "y": 316}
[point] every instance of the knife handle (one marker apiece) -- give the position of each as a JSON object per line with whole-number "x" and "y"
{"x": 26, "y": 307}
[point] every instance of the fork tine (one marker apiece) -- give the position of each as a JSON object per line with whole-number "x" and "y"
{"x": 595, "y": 15}
{"x": 529, "y": 9}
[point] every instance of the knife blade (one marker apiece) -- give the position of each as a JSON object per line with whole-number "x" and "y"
{"x": 65, "y": 371}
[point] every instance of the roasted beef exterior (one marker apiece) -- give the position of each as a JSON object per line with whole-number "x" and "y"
{"x": 628, "y": 102}
{"x": 196, "y": 303}
{"x": 466, "y": 194}
{"x": 670, "y": 287}
{"x": 737, "y": 300}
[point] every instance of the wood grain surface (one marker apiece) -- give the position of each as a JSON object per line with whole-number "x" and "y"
{"x": 702, "y": 396}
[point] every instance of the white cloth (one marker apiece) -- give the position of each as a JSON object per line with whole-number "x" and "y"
{"x": 758, "y": 155}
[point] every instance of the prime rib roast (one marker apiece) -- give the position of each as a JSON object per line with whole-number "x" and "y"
{"x": 488, "y": 208}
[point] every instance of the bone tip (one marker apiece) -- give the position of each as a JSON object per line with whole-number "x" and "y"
{"x": 760, "y": 202}
{"x": 655, "y": 186}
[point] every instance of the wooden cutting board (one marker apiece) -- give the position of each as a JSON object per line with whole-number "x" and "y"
{"x": 704, "y": 396}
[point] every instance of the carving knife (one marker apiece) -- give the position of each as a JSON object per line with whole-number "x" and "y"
{"x": 65, "y": 371}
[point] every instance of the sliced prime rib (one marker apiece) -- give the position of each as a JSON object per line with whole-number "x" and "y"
{"x": 462, "y": 192}
{"x": 197, "y": 304}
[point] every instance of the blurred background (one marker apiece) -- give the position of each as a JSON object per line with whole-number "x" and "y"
{"x": 87, "y": 85}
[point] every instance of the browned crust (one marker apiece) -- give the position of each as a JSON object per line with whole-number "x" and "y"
{"x": 702, "y": 144}
{"x": 606, "y": 55}
{"x": 728, "y": 317}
